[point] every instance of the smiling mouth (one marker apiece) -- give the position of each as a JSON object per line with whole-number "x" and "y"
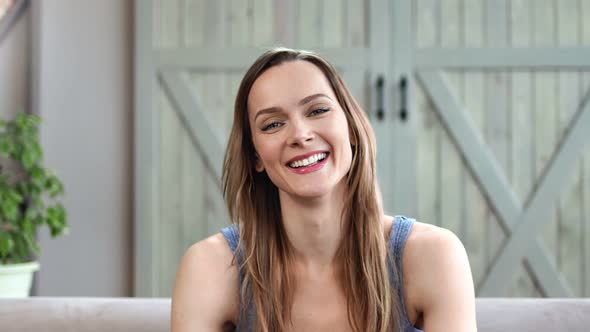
{"x": 309, "y": 161}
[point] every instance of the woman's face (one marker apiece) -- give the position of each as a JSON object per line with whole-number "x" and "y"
{"x": 299, "y": 130}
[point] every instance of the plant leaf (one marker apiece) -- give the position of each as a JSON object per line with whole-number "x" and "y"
{"x": 6, "y": 244}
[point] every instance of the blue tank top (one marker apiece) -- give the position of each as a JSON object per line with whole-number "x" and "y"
{"x": 397, "y": 240}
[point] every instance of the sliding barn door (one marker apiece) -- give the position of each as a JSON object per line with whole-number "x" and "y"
{"x": 190, "y": 58}
{"x": 503, "y": 153}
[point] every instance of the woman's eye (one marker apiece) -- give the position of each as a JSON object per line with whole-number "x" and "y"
{"x": 319, "y": 111}
{"x": 271, "y": 125}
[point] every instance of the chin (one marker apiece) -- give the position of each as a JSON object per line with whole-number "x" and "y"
{"x": 312, "y": 191}
{"x": 310, "y": 188}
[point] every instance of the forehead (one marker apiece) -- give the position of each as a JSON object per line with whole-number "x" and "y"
{"x": 286, "y": 84}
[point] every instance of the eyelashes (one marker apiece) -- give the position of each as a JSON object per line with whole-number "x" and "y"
{"x": 277, "y": 124}
{"x": 319, "y": 111}
{"x": 272, "y": 125}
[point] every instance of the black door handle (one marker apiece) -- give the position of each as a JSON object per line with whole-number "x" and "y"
{"x": 403, "y": 92}
{"x": 380, "y": 84}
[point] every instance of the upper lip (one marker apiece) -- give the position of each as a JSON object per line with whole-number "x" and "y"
{"x": 303, "y": 156}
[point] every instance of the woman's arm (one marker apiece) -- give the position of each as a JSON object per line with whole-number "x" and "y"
{"x": 442, "y": 281}
{"x": 205, "y": 296}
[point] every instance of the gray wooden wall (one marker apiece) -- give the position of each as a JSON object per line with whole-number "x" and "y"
{"x": 521, "y": 113}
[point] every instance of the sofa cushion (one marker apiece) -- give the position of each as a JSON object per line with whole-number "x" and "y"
{"x": 151, "y": 314}
{"x": 528, "y": 315}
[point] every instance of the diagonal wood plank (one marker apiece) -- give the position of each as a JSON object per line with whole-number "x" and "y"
{"x": 193, "y": 118}
{"x": 483, "y": 165}
{"x": 545, "y": 272}
{"x": 550, "y": 186}
{"x": 478, "y": 156}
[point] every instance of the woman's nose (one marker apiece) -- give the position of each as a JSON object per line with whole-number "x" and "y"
{"x": 300, "y": 133}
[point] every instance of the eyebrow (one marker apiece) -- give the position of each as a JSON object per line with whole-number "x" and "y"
{"x": 301, "y": 102}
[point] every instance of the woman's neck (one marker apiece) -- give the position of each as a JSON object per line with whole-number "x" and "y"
{"x": 313, "y": 227}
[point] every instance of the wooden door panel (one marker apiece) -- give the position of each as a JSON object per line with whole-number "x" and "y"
{"x": 508, "y": 66}
{"x": 494, "y": 181}
{"x": 193, "y": 54}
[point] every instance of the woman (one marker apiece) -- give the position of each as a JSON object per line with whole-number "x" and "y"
{"x": 310, "y": 248}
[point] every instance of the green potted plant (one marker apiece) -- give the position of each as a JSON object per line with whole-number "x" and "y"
{"x": 29, "y": 195}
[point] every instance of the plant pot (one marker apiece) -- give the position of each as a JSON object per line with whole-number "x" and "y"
{"x": 16, "y": 279}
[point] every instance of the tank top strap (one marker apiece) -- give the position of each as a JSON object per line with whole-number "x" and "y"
{"x": 232, "y": 236}
{"x": 398, "y": 236}
{"x": 397, "y": 241}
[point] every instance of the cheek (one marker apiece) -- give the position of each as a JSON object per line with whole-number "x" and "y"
{"x": 342, "y": 130}
{"x": 347, "y": 154}
{"x": 267, "y": 151}
{"x": 338, "y": 136}
{"x": 344, "y": 135}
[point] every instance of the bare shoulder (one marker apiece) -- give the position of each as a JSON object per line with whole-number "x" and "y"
{"x": 427, "y": 239}
{"x": 205, "y": 296}
{"x": 437, "y": 276}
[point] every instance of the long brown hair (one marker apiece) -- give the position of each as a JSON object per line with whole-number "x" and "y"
{"x": 253, "y": 203}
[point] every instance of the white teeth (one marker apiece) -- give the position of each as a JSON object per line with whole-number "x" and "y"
{"x": 309, "y": 160}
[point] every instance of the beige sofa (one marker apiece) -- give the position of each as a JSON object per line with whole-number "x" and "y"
{"x": 147, "y": 315}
